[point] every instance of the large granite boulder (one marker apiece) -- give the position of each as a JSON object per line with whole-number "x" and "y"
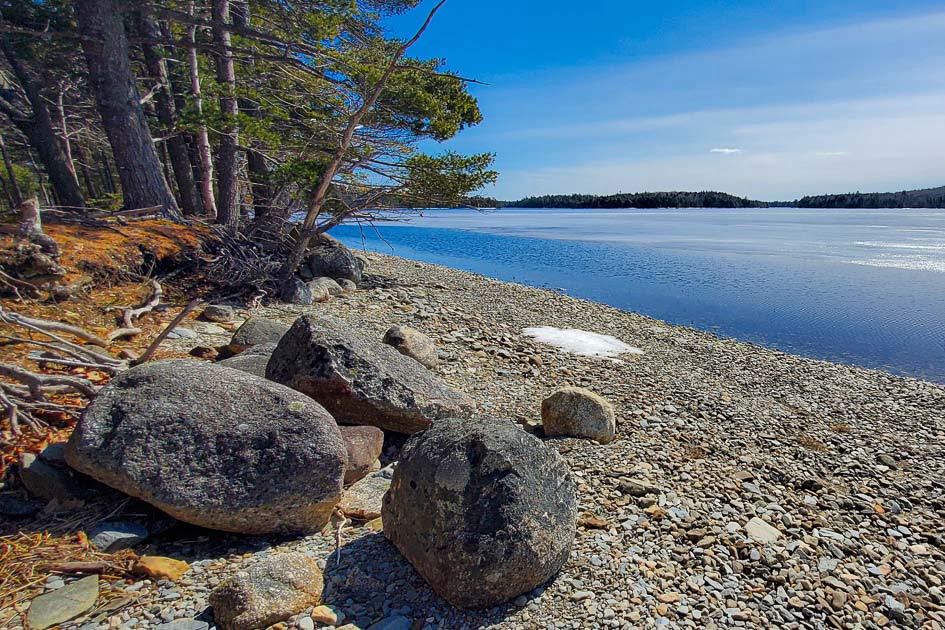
{"x": 267, "y": 592}
{"x": 484, "y": 511}
{"x": 360, "y": 380}
{"x": 364, "y": 445}
{"x": 252, "y": 361}
{"x": 578, "y": 412}
{"x": 328, "y": 257}
{"x": 255, "y": 331}
{"x": 215, "y": 447}
{"x": 412, "y": 343}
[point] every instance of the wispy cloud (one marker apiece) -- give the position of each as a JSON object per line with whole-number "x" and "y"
{"x": 799, "y": 110}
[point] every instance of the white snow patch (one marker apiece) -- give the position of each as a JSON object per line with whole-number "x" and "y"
{"x": 581, "y": 342}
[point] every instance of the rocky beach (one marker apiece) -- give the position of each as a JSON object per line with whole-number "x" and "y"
{"x": 744, "y": 488}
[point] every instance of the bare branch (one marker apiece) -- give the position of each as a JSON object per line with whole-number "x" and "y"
{"x": 164, "y": 333}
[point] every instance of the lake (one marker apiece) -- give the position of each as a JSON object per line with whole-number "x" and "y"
{"x": 865, "y": 287}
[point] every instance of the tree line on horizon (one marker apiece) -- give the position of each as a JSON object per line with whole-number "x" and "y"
{"x": 925, "y": 198}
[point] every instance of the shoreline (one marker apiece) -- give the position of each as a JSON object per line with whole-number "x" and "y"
{"x": 718, "y": 432}
{"x": 844, "y": 462}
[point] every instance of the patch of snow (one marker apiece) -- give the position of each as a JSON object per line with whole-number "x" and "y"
{"x": 581, "y": 342}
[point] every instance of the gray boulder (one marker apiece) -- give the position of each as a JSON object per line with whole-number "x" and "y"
{"x": 412, "y": 343}
{"x": 364, "y": 445}
{"x": 252, "y": 361}
{"x": 328, "y": 257}
{"x": 215, "y": 447}
{"x": 256, "y": 331}
{"x": 578, "y": 412}
{"x": 267, "y": 592}
{"x": 484, "y": 511}
{"x": 361, "y": 381}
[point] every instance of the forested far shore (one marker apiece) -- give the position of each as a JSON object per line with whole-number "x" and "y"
{"x": 925, "y": 198}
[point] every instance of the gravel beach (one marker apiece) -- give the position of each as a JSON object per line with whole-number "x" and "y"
{"x": 745, "y": 487}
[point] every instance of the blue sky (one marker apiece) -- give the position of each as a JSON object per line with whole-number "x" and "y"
{"x": 763, "y": 99}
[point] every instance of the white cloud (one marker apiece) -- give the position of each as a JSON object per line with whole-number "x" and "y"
{"x": 725, "y": 151}
{"x": 830, "y": 154}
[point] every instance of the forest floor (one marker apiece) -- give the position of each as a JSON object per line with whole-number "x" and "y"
{"x": 746, "y": 487}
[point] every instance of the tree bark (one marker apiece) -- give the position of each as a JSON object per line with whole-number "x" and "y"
{"x": 227, "y": 179}
{"x": 167, "y": 113}
{"x": 203, "y": 139}
{"x": 83, "y": 159}
{"x": 119, "y": 103}
{"x": 16, "y": 195}
{"x": 37, "y": 126}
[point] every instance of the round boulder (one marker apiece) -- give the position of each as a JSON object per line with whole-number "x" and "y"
{"x": 484, "y": 511}
{"x": 215, "y": 447}
{"x": 412, "y": 343}
{"x": 578, "y": 412}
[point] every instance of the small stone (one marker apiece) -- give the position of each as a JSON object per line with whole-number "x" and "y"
{"x": 323, "y": 615}
{"x": 578, "y": 412}
{"x": 112, "y": 536}
{"x": 414, "y": 344}
{"x": 761, "y": 531}
{"x": 267, "y": 592}
{"x": 580, "y": 596}
{"x": 397, "y": 622}
{"x": 63, "y": 604}
{"x": 306, "y": 623}
{"x": 219, "y": 313}
{"x": 161, "y": 568}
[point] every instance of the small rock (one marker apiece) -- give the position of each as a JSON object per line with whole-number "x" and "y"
{"x": 112, "y": 536}
{"x": 182, "y": 333}
{"x": 219, "y": 313}
{"x": 161, "y": 568}
{"x": 329, "y": 285}
{"x": 364, "y": 445}
{"x": 267, "y": 592}
{"x": 414, "y": 344}
{"x": 363, "y": 499}
{"x": 255, "y": 331}
{"x": 578, "y": 412}
{"x": 761, "y": 531}
{"x": 397, "y": 622}
{"x": 323, "y": 615}
{"x": 49, "y": 482}
{"x": 63, "y": 604}
{"x": 347, "y": 285}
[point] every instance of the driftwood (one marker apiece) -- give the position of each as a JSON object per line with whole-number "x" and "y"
{"x": 28, "y": 393}
{"x": 130, "y": 314}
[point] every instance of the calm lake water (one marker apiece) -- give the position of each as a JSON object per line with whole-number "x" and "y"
{"x": 865, "y": 287}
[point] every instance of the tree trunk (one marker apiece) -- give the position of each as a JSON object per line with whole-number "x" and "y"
{"x": 119, "y": 103}
{"x": 16, "y": 195}
{"x": 83, "y": 159}
{"x": 38, "y": 129}
{"x": 203, "y": 139}
{"x": 167, "y": 114}
{"x": 66, "y": 143}
{"x": 227, "y": 179}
